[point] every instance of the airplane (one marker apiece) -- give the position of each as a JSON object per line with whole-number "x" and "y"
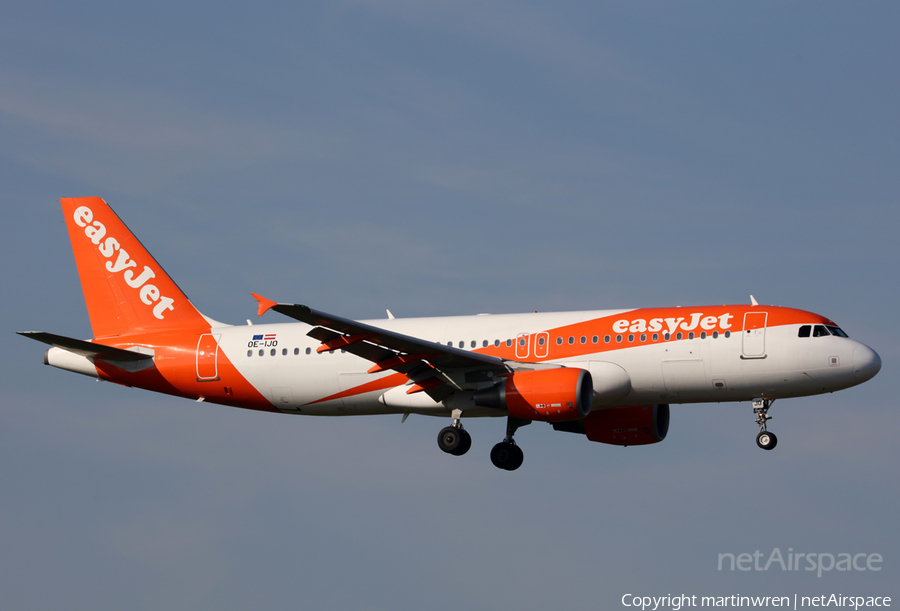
{"x": 609, "y": 375}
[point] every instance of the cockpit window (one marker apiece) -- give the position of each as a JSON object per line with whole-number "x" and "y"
{"x": 836, "y": 331}
{"x": 820, "y": 331}
{"x": 804, "y": 331}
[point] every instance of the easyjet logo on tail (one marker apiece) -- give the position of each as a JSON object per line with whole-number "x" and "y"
{"x": 121, "y": 262}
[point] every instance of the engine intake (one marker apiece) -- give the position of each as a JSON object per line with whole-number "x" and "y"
{"x": 547, "y": 395}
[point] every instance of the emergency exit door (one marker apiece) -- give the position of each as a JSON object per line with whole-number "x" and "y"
{"x": 754, "y": 335}
{"x": 207, "y": 358}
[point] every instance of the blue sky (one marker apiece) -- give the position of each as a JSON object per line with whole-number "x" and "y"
{"x": 445, "y": 158}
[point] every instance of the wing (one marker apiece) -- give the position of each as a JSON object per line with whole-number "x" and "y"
{"x": 434, "y": 368}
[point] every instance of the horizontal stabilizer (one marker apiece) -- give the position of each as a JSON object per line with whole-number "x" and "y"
{"x": 84, "y": 348}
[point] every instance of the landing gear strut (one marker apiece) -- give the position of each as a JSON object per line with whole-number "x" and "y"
{"x": 454, "y": 439}
{"x": 506, "y": 454}
{"x": 765, "y": 439}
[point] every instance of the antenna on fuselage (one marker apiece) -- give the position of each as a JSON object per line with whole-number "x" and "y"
{"x": 753, "y": 300}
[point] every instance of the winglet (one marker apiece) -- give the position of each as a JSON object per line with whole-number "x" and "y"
{"x": 264, "y": 304}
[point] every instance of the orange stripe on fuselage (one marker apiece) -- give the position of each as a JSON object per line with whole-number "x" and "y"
{"x": 390, "y": 381}
{"x": 175, "y": 371}
{"x": 640, "y": 321}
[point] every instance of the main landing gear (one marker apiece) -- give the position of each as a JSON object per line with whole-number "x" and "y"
{"x": 506, "y": 454}
{"x": 765, "y": 439}
{"x": 454, "y": 439}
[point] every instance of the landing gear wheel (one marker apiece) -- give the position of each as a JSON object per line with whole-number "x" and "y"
{"x": 455, "y": 441}
{"x": 506, "y": 455}
{"x": 766, "y": 440}
{"x": 465, "y": 444}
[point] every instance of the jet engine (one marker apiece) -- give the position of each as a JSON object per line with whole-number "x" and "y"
{"x": 630, "y": 425}
{"x": 547, "y": 395}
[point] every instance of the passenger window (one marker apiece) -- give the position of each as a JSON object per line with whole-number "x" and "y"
{"x": 484, "y": 344}
{"x": 655, "y": 336}
{"x": 283, "y": 351}
{"x": 679, "y": 335}
{"x": 559, "y": 341}
{"x": 631, "y": 337}
{"x": 541, "y": 341}
{"x": 462, "y": 344}
{"x": 249, "y": 353}
{"x": 571, "y": 340}
{"x": 618, "y": 338}
{"x": 715, "y": 335}
{"x": 508, "y": 343}
{"x": 262, "y": 352}
{"x": 605, "y": 339}
{"x": 595, "y": 339}
{"x": 836, "y": 331}
{"x": 472, "y": 345}
{"x": 308, "y": 350}
{"x": 804, "y": 331}
{"x": 820, "y": 331}
{"x": 272, "y": 352}
{"x": 643, "y": 337}
{"x": 583, "y": 339}
{"x": 496, "y": 343}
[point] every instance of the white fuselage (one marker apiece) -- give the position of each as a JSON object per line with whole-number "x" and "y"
{"x": 291, "y": 374}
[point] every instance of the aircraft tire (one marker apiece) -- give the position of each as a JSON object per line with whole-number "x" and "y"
{"x": 507, "y": 456}
{"x": 464, "y": 444}
{"x": 518, "y": 458}
{"x": 452, "y": 440}
{"x": 766, "y": 440}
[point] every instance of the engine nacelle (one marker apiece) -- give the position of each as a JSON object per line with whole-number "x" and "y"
{"x": 630, "y": 425}
{"x": 548, "y": 395}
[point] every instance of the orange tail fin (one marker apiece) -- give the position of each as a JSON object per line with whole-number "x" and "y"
{"x": 126, "y": 290}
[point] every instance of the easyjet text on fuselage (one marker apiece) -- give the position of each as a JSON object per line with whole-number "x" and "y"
{"x": 673, "y": 324}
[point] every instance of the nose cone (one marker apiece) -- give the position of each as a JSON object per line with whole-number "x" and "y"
{"x": 866, "y": 363}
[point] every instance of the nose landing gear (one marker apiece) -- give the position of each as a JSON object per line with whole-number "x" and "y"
{"x": 765, "y": 439}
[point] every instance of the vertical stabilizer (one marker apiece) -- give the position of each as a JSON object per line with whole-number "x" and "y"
{"x": 125, "y": 289}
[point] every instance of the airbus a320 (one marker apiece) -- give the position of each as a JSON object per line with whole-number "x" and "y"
{"x": 609, "y": 375}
